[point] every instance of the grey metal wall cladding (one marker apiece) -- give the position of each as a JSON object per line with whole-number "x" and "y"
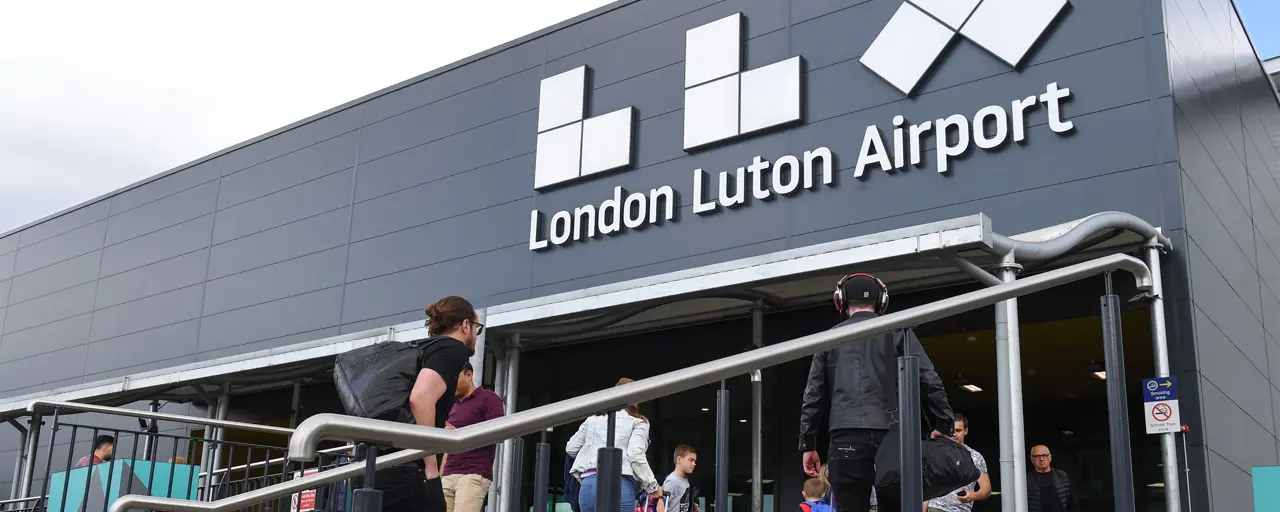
{"x": 1230, "y": 182}
{"x": 163, "y": 276}
{"x": 48, "y": 308}
{"x": 172, "y": 241}
{"x": 60, "y": 248}
{"x": 292, "y": 204}
{"x": 451, "y": 155}
{"x": 359, "y": 218}
{"x": 325, "y": 128}
{"x": 4, "y": 293}
{"x": 9, "y": 244}
{"x": 48, "y": 337}
{"x": 167, "y": 186}
{"x": 63, "y": 223}
{"x": 300, "y": 313}
{"x": 163, "y": 343}
{"x": 286, "y": 171}
{"x": 6, "y": 265}
{"x": 59, "y": 276}
{"x": 151, "y": 217}
{"x": 314, "y": 234}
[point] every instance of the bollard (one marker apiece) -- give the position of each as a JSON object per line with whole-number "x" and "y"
{"x": 912, "y": 486}
{"x": 368, "y": 499}
{"x": 609, "y": 472}
{"x": 541, "y": 474}
{"x": 722, "y": 449}
{"x": 517, "y": 474}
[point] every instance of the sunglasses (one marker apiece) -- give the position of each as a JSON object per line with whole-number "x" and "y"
{"x": 479, "y": 326}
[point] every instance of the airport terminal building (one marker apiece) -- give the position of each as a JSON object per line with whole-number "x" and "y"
{"x": 661, "y": 183}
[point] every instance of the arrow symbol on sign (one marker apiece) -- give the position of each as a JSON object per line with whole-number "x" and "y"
{"x": 1166, "y": 384}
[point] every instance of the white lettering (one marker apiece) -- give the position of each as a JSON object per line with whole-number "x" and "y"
{"x": 1052, "y": 97}
{"x": 667, "y": 192}
{"x": 872, "y": 152}
{"x": 980, "y": 136}
{"x": 611, "y": 224}
{"x": 560, "y": 229}
{"x": 1020, "y": 117}
{"x": 811, "y": 158}
{"x": 584, "y": 216}
{"x": 757, "y": 169}
{"x": 945, "y": 149}
{"x": 917, "y": 146}
{"x": 634, "y": 210}
{"x": 700, "y": 205}
{"x": 898, "y": 145}
{"x": 739, "y": 196}
{"x": 789, "y": 167}
{"x": 535, "y": 244}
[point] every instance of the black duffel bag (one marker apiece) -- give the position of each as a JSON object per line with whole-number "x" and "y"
{"x": 374, "y": 381}
{"x": 945, "y": 466}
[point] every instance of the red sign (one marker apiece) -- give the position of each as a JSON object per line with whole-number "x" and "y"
{"x": 306, "y": 500}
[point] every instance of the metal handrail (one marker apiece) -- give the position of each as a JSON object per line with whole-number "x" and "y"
{"x": 424, "y": 440}
{"x": 40, "y": 405}
{"x": 21, "y": 500}
{"x": 259, "y": 464}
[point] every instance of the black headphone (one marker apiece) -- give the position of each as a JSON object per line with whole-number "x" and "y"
{"x": 882, "y": 301}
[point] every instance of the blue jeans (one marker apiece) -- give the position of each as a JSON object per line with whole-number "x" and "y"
{"x": 587, "y": 495}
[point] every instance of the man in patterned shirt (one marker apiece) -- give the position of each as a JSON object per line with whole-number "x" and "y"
{"x": 961, "y": 500}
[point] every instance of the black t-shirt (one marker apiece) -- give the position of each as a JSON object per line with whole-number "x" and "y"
{"x": 446, "y": 356}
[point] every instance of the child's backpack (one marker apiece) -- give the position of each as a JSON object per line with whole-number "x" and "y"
{"x": 815, "y": 506}
{"x": 646, "y": 504}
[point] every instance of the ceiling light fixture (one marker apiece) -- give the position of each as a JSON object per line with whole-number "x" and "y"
{"x": 742, "y": 421}
{"x": 965, "y": 384}
{"x": 1098, "y": 371}
{"x": 704, "y": 409}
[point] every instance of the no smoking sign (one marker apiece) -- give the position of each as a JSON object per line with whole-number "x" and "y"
{"x": 1160, "y": 399}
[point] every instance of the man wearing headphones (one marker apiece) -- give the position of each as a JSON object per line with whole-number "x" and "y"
{"x": 852, "y": 397}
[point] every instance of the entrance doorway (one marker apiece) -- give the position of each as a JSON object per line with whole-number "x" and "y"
{"x": 1065, "y": 402}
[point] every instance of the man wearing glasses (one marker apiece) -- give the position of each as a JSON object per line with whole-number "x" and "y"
{"x": 1049, "y": 489}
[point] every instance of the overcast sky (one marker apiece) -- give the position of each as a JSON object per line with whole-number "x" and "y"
{"x": 95, "y": 95}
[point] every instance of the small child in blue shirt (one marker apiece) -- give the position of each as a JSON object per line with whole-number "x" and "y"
{"x": 814, "y": 496}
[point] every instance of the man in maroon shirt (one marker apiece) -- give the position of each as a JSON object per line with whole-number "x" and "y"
{"x": 103, "y": 446}
{"x": 467, "y": 476}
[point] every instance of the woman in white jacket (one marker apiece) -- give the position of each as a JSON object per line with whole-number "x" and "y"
{"x": 631, "y": 435}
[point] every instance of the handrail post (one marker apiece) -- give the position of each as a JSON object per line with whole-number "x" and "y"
{"x": 757, "y": 414}
{"x": 33, "y": 448}
{"x": 368, "y": 498}
{"x": 20, "y": 456}
{"x": 542, "y": 474}
{"x": 909, "y": 432}
{"x": 608, "y": 471}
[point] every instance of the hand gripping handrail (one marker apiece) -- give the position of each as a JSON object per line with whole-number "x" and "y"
{"x": 424, "y": 440}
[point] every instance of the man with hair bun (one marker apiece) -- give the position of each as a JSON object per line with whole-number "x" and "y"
{"x": 454, "y": 327}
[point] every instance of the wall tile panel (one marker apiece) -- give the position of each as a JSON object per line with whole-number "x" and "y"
{"x": 59, "y": 276}
{"x": 152, "y": 217}
{"x": 290, "y": 170}
{"x": 169, "y": 242}
{"x": 60, "y": 248}
{"x": 64, "y": 223}
{"x": 167, "y": 186}
{"x": 168, "y": 275}
{"x": 45, "y": 338}
{"x": 143, "y": 314}
{"x": 55, "y": 306}
{"x": 302, "y": 313}
{"x": 309, "y": 199}
{"x": 286, "y": 279}
{"x": 314, "y": 234}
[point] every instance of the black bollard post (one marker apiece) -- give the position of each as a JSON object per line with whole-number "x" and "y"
{"x": 368, "y": 499}
{"x": 722, "y": 449}
{"x": 517, "y": 473}
{"x": 609, "y": 472}
{"x": 912, "y": 486}
{"x": 541, "y": 474}
{"x": 1117, "y": 402}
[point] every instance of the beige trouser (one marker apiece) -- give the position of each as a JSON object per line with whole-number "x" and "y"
{"x": 465, "y": 493}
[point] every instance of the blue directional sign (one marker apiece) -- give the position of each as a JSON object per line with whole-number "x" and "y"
{"x": 1160, "y": 404}
{"x": 1160, "y": 389}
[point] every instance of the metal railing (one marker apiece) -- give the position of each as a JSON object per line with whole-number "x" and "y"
{"x": 421, "y": 441}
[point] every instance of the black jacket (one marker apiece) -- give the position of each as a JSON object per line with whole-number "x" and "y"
{"x": 854, "y": 386}
{"x": 1062, "y": 486}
